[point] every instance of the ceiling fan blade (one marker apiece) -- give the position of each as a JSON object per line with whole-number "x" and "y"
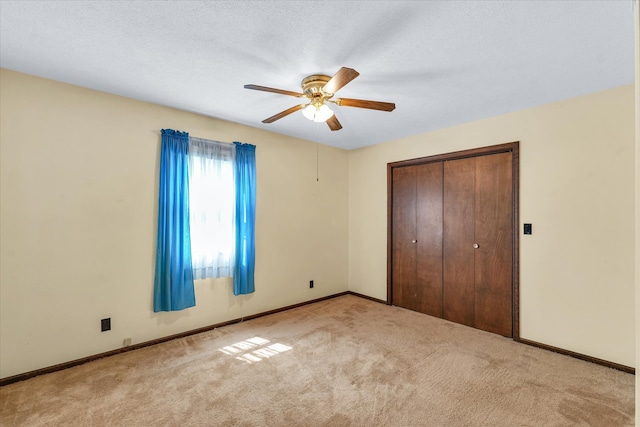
{"x": 270, "y": 89}
{"x": 333, "y": 123}
{"x": 283, "y": 114}
{"x": 363, "y": 103}
{"x": 339, "y": 79}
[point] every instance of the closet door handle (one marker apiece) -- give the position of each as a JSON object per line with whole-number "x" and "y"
{"x": 476, "y": 246}
{"x": 414, "y": 241}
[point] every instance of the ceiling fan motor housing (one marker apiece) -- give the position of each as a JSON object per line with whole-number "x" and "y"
{"x": 312, "y": 87}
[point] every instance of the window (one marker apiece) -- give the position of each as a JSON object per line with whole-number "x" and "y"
{"x": 211, "y": 208}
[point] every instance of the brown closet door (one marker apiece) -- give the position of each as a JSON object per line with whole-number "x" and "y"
{"x": 452, "y": 247}
{"x": 429, "y": 238}
{"x": 403, "y": 251}
{"x": 417, "y": 238}
{"x": 494, "y": 236}
{"x": 458, "y": 252}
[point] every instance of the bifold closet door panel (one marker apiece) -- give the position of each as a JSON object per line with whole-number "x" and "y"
{"x": 458, "y": 251}
{"x": 429, "y": 238}
{"x": 403, "y": 232}
{"x": 417, "y": 238}
{"x": 494, "y": 236}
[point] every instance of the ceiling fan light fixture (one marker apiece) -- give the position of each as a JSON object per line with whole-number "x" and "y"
{"x": 309, "y": 111}
{"x": 317, "y": 113}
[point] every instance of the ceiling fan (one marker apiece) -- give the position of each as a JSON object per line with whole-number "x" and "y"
{"x": 319, "y": 89}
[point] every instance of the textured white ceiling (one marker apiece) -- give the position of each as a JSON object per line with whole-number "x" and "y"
{"x": 442, "y": 62}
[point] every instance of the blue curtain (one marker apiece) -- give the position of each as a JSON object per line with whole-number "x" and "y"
{"x": 245, "y": 178}
{"x": 173, "y": 283}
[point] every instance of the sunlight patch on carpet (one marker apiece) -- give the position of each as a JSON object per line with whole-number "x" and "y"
{"x": 254, "y": 349}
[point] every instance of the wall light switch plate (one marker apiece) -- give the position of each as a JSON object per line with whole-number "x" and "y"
{"x": 527, "y": 229}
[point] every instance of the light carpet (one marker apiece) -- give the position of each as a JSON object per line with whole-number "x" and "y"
{"x": 346, "y": 361}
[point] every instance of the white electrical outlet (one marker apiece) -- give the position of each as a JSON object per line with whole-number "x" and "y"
{"x": 126, "y": 342}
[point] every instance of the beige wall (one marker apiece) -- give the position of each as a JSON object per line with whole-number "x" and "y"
{"x": 576, "y": 188}
{"x": 636, "y": 13}
{"x": 78, "y": 201}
